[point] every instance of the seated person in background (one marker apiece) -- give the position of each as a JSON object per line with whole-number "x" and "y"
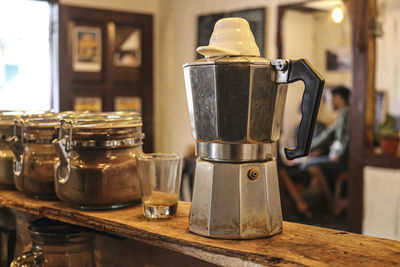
{"x": 325, "y": 169}
{"x": 293, "y": 180}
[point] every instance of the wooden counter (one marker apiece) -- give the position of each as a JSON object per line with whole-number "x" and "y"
{"x": 298, "y": 245}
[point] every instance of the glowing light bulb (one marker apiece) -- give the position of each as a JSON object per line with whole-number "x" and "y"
{"x": 337, "y": 15}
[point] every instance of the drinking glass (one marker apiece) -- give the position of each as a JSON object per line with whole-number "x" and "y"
{"x": 160, "y": 176}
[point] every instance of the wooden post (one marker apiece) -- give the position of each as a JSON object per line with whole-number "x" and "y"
{"x": 363, "y": 13}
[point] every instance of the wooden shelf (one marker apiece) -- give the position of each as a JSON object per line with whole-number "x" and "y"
{"x": 297, "y": 245}
{"x": 382, "y": 161}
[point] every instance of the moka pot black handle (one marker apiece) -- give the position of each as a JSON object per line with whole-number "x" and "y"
{"x": 302, "y": 70}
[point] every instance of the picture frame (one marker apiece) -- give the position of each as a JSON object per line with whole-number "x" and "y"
{"x": 128, "y": 103}
{"x": 88, "y": 103}
{"x": 339, "y": 59}
{"x": 87, "y": 49}
{"x": 128, "y": 51}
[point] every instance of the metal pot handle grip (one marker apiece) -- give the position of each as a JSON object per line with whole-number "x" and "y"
{"x": 302, "y": 70}
{"x": 33, "y": 258}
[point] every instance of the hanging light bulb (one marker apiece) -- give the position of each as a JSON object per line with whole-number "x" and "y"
{"x": 337, "y": 15}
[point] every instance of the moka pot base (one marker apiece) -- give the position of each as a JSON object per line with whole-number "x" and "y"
{"x": 236, "y": 200}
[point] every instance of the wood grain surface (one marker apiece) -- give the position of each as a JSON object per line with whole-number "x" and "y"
{"x": 297, "y": 245}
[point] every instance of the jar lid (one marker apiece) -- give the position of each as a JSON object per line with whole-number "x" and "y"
{"x": 63, "y": 114}
{"x": 105, "y": 120}
{"x": 7, "y": 122}
{"x": 51, "y": 231}
{"x": 40, "y": 119}
{"x": 102, "y": 129}
{"x": 48, "y": 226}
{"x": 47, "y": 119}
{"x": 7, "y": 117}
{"x": 40, "y": 127}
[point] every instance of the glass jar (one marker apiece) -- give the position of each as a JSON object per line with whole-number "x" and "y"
{"x": 97, "y": 168}
{"x": 7, "y": 236}
{"x": 35, "y": 155}
{"x": 57, "y": 244}
{"x": 7, "y": 119}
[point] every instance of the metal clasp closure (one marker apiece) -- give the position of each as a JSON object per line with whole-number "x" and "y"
{"x": 68, "y": 125}
{"x": 16, "y": 144}
{"x": 63, "y": 147}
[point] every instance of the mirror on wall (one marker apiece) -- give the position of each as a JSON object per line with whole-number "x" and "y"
{"x": 319, "y": 31}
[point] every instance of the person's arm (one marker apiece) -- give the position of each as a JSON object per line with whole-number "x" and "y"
{"x": 323, "y": 138}
{"x": 342, "y": 133}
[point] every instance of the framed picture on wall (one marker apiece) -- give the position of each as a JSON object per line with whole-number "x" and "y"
{"x": 339, "y": 59}
{"x": 88, "y": 103}
{"x": 128, "y": 52}
{"x": 205, "y": 28}
{"x": 86, "y": 49}
{"x": 128, "y": 103}
{"x": 255, "y": 17}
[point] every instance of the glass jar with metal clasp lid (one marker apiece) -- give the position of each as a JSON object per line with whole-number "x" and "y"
{"x": 97, "y": 168}
{"x": 58, "y": 244}
{"x": 35, "y": 155}
{"x": 7, "y": 119}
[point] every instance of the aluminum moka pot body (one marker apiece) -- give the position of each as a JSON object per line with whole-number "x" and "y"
{"x": 234, "y": 100}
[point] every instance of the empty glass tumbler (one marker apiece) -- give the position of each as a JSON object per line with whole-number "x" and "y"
{"x": 160, "y": 176}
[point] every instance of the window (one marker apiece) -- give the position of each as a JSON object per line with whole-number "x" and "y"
{"x": 25, "y": 73}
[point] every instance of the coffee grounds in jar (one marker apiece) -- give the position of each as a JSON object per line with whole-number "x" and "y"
{"x": 101, "y": 178}
{"x": 6, "y": 169}
{"x": 37, "y": 177}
